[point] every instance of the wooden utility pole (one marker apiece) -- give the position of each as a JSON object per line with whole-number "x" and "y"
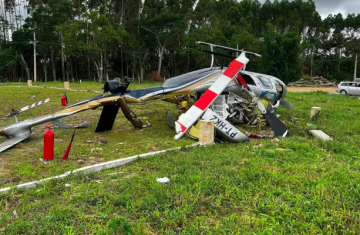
{"x": 355, "y": 67}
{"x": 34, "y": 57}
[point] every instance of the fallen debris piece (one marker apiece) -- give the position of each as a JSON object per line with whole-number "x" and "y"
{"x": 163, "y": 180}
{"x": 320, "y": 135}
{"x": 45, "y": 162}
{"x": 250, "y": 135}
{"x": 67, "y": 185}
{"x": 15, "y": 214}
{"x": 311, "y": 125}
{"x": 258, "y": 146}
{"x": 96, "y": 150}
{"x": 103, "y": 142}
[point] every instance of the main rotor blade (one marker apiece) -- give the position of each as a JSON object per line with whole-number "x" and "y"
{"x": 12, "y": 141}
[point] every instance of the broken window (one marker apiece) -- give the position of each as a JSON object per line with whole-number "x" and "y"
{"x": 248, "y": 80}
{"x": 265, "y": 82}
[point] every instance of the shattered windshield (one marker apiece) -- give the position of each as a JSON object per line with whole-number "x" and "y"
{"x": 265, "y": 82}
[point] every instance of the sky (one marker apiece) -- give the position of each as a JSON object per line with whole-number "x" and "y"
{"x": 326, "y": 7}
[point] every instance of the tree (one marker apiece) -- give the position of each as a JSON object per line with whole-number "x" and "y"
{"x": 93, "y": 35}
{"x": 281, "y": 55}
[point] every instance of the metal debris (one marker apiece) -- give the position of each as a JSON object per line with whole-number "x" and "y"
{"x": 163, "y": 180}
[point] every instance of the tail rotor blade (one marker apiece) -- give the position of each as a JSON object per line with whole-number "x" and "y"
{"x": 16, "y": 112}
{"x": 33, "y": 105}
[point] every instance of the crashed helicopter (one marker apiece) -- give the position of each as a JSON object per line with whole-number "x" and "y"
{"x": 221, "y": 94}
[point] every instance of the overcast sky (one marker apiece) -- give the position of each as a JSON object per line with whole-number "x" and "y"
{"x": 326, "y": 7}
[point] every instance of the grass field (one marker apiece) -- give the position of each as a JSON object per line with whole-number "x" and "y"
{"x": 297, "y": 185}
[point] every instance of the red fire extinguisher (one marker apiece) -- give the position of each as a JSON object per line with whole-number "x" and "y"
{"x": 49, "y": 139}
{"x": 64, "y": 100}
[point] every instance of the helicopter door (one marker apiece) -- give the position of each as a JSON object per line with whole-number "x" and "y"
{"x": 250, "y": 82}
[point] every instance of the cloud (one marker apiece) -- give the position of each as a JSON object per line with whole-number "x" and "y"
{"x": 326, "y": 7}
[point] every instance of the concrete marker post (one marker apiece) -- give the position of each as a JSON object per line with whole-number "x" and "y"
{"x": 67, "y": 85}
{"x": 314, "y": 112}
{"x": 29, "y": 82}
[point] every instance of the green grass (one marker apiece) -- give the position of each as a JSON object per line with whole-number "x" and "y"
{"x": 22, "y": 161}
{"x": 298, "y": 185}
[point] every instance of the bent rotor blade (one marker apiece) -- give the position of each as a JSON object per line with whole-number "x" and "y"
{"x": 278, "y": 126}
{"x": 12, "y": 141}
{"x": 107, "y": 118}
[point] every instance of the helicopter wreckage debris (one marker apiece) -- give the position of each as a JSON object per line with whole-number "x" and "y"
{"x": 226, "y": 95}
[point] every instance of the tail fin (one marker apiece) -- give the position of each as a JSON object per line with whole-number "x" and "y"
{"x": 107, "y": 118}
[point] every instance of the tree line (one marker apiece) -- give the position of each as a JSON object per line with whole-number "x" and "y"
{"x": 141, "y": 39}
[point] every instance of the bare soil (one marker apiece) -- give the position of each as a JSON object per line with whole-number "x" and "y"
{"x": 308, "y": 89}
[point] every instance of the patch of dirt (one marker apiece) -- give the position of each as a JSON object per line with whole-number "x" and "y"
{"x": 3, "y": 169}
{"x": 272, "y": 169}
{"x": 130, "y": 176}
{"x": 309, "y": 89}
